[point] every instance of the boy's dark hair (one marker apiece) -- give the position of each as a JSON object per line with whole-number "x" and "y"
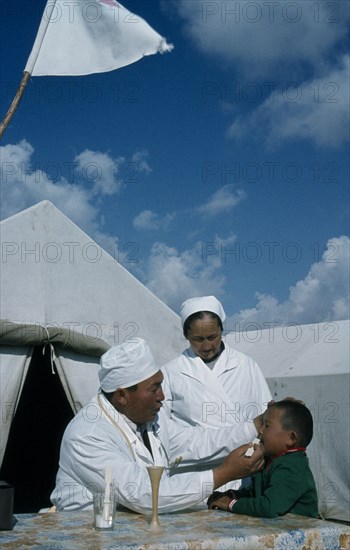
{"x": 297, "y": 417}
{"x": 200, "y": 315}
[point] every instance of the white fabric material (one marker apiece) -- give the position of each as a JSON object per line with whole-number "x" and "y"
{"x": 79, "y": 376}
{"x": 34, "y": 334}
{"x": 14, "y": 363}
{"x": 126, "y": 365}
{"x": 202, "y": 303}
{"x": 79, "y": 37}
{"x": 92, "y": 441}
{"x": 232, "y": 394}
{"x": 49, "y": 274}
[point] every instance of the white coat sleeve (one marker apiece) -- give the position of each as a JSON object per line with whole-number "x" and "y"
{"x": 168, "y": 398}
{"x": 84, "y": 457}
{"x": 195, "y": 443}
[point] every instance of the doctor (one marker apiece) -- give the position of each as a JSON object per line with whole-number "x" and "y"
{"x": 109, "y": 431}
{"x": 210, "y": 384}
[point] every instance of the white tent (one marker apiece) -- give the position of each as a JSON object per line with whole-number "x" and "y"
{"x": 58, "y": 287}
{"x": 311, "y": 362}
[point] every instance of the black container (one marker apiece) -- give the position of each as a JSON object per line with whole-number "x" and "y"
{"x": 7, "y": 493}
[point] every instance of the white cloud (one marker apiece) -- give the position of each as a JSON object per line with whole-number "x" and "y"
{"x": 270, "y": 44}
{"x": 323, "y": 295}
{"x": 139, "y": 159}
{"x": 152, "y": 221}
{"x": 317, "y": 110}
{"x": 100, "y": 170}
{"x": 146, "y": 220}
{"x": 22, "y": 186}
{"x": 265, "y": 38}
{"x": 175, "y": 276}
{"x": 108, "y": 175}
{"x": 223, "y": 200}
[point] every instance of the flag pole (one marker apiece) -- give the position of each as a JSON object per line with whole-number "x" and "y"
{"x": 45, "y": 20}
{"x": 15, "y": 102}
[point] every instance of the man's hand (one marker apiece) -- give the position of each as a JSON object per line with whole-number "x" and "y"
{"x": 236, "y": 465}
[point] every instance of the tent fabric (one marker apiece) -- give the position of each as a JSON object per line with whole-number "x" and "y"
{"x": 78, "y": 374}
{"x": 14, "y": 364}
{"x": 56, "y": 277}
{"x": 32, "y": 452}
{"x": 60, "y": 288}
{"x": 297, "y": 350}
{"x": 15, "y": 334}
{"x": 311, "y": 363}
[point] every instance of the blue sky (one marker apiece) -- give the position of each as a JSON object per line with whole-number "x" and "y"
{"x": 219, "y": 168}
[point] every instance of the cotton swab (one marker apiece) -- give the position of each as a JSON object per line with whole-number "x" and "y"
{"x": 250, "y": 451}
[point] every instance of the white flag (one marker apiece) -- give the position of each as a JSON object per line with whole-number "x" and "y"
{"x": 79, "y": 37}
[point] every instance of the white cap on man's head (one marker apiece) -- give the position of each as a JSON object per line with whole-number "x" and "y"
{"x": 125, "y": 365}
{"x": 202, "y": 303}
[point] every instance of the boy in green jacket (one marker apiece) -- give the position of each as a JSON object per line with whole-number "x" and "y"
{"x": 286, "y": 484}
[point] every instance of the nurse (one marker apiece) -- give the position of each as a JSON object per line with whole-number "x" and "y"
{"x": 125, "y": 429}
{"x": 211, "y": 385}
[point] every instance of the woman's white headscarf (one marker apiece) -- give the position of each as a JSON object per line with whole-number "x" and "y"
{"x": 202, "y": 303}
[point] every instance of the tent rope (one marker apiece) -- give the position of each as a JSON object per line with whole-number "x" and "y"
{"x": 52, "y": 351}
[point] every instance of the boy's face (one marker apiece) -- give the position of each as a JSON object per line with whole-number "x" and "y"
{"x": 274, "y": 437}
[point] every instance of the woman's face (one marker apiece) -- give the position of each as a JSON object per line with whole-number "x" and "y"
{"x": 204, "y": 335}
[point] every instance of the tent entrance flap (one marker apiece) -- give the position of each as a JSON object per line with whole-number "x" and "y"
{"x": 32, "y": 453}
{"x": 14, "y": 364}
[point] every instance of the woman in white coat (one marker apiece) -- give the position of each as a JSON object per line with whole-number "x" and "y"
{"x": 109, "y": 433}
{"x": 210, "y": 384}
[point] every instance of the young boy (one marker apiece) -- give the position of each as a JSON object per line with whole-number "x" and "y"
{"x": 286, "y": 483}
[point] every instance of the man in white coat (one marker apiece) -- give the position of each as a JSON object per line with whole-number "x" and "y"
{"x": 109, "y": 433}
{"x": 211, "y": 385}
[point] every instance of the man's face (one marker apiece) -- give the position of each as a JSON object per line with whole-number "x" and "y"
{"x": 204, "y": 336}
{"x": 274, "y": 437}
{"x": 143, "y": 404}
